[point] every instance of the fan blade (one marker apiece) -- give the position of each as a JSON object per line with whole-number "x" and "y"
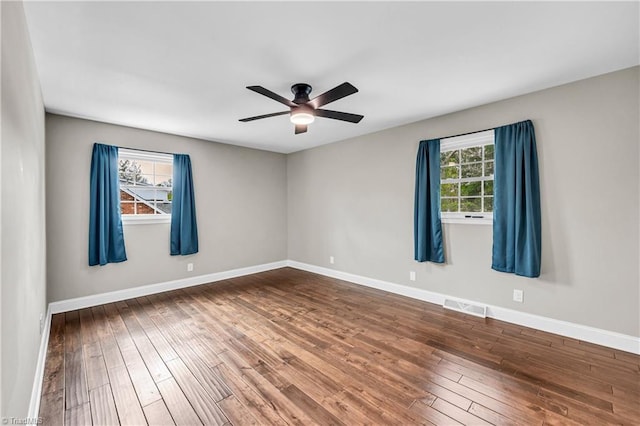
{"x": 338, "y": 92}
{"x": 270, "y": 94}
{"x": 301, "y": 128}
{"x": 258, "y": 117}
{"x": 337, "y": 115}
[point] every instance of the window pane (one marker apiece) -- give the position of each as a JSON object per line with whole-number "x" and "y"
{"x": 449, "y": 204}
{"x": 488, "y": 187}
{"x": 131, "y": 171}
{"x": 449, "y": 190}
{"x": 471, "y": 188}
{"x": 474, "y": 164}
{"x": 128, "y": 170}
{"x": 488, "y": 204}
{"x": 125, "y": 196}
{"x": 449, "y": 158}
{"x": 162, "y": 180}
{"x": 127, "y": 208}
{"x": 471, "y": 204}
{"x": 145, "y": 180}
{"x": 472, "y": 154}
{"x": 162, "y": 194}
{"x": 164, "y": 208}
{"x": 146, "y": 186}
{"x": 146, "y": 167}
{"x": 488, "y": 168}
{"x": 144, "y": 209}
{"x": 488, "y": 152}
{"x": 471, "y": 170}
{"x": 451, "y": 172}
{"x": 164, "y": 169}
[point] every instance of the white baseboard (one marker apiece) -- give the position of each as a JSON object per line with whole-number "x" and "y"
{"x": 36, "y": 390}
{"x": 129, "y": 293}
{"x": 598, "y": 336}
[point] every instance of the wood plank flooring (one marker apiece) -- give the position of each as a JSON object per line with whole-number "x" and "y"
{"x": 287, "y": 347}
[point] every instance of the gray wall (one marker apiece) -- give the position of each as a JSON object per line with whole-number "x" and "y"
{"x": 22, "y": 259}
{"x": 354, "y": 200}
{"x": 240, "y": 203}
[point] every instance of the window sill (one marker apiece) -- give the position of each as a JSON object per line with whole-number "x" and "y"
{"x": 467, "y": 220}
{"x": 146, "y": 219}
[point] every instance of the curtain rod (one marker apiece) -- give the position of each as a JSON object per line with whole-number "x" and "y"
{"x": 468, "y": 133}
{"x": 478, "y": 131}
{"x": 145, "y": 150}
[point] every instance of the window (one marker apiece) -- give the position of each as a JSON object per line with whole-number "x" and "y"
{"x": 466, "y": 178}
{"x": 145, "y": 186}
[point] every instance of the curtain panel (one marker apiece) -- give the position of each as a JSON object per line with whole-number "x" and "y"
{"x": 184, "y": 229}
{"x": 427, "y": 226}
{"x": 106, "y": 237}
{"x": 516, "y": 205}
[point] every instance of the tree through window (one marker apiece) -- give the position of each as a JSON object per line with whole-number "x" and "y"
{"x": 466, "y": 176}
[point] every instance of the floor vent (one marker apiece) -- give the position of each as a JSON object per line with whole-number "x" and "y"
{"x": 467, "y": 308}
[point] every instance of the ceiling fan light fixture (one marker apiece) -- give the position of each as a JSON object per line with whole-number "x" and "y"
{"x": 302, "y": 117}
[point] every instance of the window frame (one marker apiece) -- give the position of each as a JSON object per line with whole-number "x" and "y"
{"x": 484, "y": 138}
{"x": 158, "y": 157}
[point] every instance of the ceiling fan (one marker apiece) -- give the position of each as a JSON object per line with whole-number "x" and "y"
{"x": 302, "y": 110}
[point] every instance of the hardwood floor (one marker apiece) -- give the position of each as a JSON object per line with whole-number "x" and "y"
{"x": 291, "y": 347}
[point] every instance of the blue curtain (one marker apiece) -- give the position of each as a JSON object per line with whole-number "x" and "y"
{"x": 184, "y": 230}
{"x": 427, "y": 231}
{"x": 106, "y": 239}
{"x": 516, "y": 204}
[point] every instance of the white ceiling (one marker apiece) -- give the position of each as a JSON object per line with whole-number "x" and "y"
{"x": 182, "y": 68}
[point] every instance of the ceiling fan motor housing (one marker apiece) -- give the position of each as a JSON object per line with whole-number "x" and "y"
{"x": 301, "y": 93}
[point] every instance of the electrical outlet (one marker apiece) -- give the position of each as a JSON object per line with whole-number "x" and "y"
{"x": 518, "y": 295}
{"x": 189, "y": 267}
{"x": 412, "y": 275}
{"x": 331, "y": 260}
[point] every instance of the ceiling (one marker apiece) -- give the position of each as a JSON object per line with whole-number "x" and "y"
{"x": 182, "y": 67}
